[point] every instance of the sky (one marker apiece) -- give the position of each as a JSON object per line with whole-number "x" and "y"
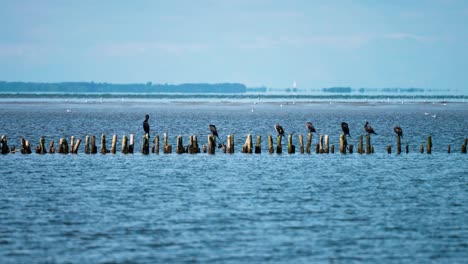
{"x": 272, "y": 43}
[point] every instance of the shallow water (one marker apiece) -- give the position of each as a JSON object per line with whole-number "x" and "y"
{"x": 234, "y": 208}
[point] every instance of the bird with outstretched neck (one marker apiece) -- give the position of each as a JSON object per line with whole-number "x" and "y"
{"x": 146, "y": 126}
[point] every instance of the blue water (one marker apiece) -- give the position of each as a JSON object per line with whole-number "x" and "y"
{"x": 234, "y": 208}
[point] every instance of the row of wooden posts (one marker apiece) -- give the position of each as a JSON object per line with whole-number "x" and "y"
{"x": 128, "y": 144}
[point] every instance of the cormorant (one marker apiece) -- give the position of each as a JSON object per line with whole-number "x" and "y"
{"x": 310, "y": 127}
{"x": 345, "y": 128}
{"x": 398, "y": 131}
{"x": 214, "y": 131}
{"x": 146, "y": 126}
{"x": 369, "y": 129}
{"x": 279, "y": 129}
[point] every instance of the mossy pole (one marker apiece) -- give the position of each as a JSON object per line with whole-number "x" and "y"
{"x": 258, "y": 145}
{"x": 131, "y": 145}
{"x": 180, "y": 145}
{"x": 93, "y": 145}
{"x": 124, "y": 144}
{"x": 301, "y": 143}
{"x": 368, "y": 144}
{"x": 398, "y": 143}
{"x": 322, "y": 149}
{"x": 327, "y": 144}
{"x": 291, "y": 147}
{"x": 87, "y": 146}
{"x": 360, "y": 145}
{"x": 271, "y": 149}
{"x": 429, "y": 145}
{"x": 114, "y": 144}
{"x": 343, "y": 144}
{"x": 103, "y": 149}
{"x": 279, "y": 147}
{"x": 317, "y": 148}
{"x": 309, "y": 142}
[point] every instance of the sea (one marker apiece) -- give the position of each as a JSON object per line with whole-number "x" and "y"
{"x": 234, "y": 208}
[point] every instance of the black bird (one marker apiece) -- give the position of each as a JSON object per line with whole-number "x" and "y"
{"x": 214, "y": 131}
{"x": 310, "y": 127}
{"x": 345, "y": 128}
{"x": 369, "y": 129}
{"x": 398, "y": 131}
{"x": 279, "y": 129}
{"x": 146, "y": 126}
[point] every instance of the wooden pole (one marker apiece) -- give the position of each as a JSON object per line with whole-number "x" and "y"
{"x": 421, "y": 149}
{"x": 145, "y": 145}
{"x": 124, "y": 144}
{"x": 72, "y": 144}
{"x": 389, "y": 149}
{"x": 271, "y": 149}
{"x": 63, "y": 148}
{"x": 360, "y": 145}
{"x": 448, "y": 149}
{"x": 279, "y": 147}
{"x": 350, "y": 148}
{"x": 258, "y": 145}
{"x": 156, "y": 145}
{"x": 204, "y": 149}
{"x": 93, "y": 145}
{"x": 309, "y": 142}
{"x": 332, "y": 148}
{"x": 291, "y": 147}
{"x": 5, "y": 148}
{"x": 131, "y": 145}
{"x": 247, "y": 148}
{"x": 429, "y": 145}
{"x": 368, "y": 144}
{"x": 322, "y": 150}
{"x": 398, "y": 143}
{"x": 77, "y": 146}
{"x": 51, "y": 148}
{"x": 167, "y": 147}
{"x": 326, "y": 149}
{"x": 343, "y": 144}
{"x": 407, "y": 149}
{"x": 463, "y": 148}
{"x": 28, "y": 147}
{"x": 87, "y": 147}
{"x": 230, "y": 146}
{"x": 301, "y": 143}
{"x": 103, "y": 145}
{"x": 114, "y": 144}
{"x": 180, "y": 145}
{"x": 317, "y": 148}
{"x": 42, "y": 146}
{"x": 211, "y": 145}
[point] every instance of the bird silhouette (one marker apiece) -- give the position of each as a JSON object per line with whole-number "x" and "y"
{"x": 345, "y": 128}
{"x": 146, "y": 126}
{"x": 279, "y": 129}
{"x": 311, "y": 127}
{"x": 369, "y": 129}
{"x": 398, "y": 131}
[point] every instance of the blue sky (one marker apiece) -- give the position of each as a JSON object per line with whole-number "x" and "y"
{"x": 368, "y": 43}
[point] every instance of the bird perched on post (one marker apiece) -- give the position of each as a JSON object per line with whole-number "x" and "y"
{"x": 311, "y": 127}
{"x": 214, "y": 131}
{"x": 369, "y": 129}
{"x": 345, "y": 128}
{"x": 398, "y": 131}
{"x": 146, "y": 126}
{"x": 279, "y": 129}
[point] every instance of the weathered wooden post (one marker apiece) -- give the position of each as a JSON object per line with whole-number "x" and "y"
{"x": 326, "y": 148}
{"x": 309, "y": 143}
{"x": 167, "y": 147}
{"x": 448, "y": 149}
{"x": 5, "y": 148}
{"x": 407, "y": 149}
{"x": 271, "y": 149}
{"x": 343, "y": 144}
{"x": 42, "y": 148}
{"x": 398, "y": 143}
{"x": 360, "y": 145}
{"x": 114, "y": 144}
{"x": 372, "y": 149}
{"x": 291, "y": 147}
{"x": 230, "y": 144}
{"x": 77, "y": 146}
{"x": 63, "y": 146}
{"x": 421, "y": 149}
{"x": 322, "y": 148}
{"x": 180, "y": 145}
{"x": 301, "y": 143}
{"x": 23, "y": 148}
{"x": 317, "y": 148}
{"x": 197, "y": 148}
{"x": 13, "y": 149}
{"x": 463, "y": 148}
{"x": 124, "y": 144}
{"x": 258, "y": 145}
{"x": 72, "y": 144}
{"x": 103, "y": 145}
{"x": 87, "y": 146}
{"x": 211, "y": 144}
{"x": 429, "y": 145}
{"x": 332, "y": 148}
{"x": 93, "y": 145}
{"x": 51, "y": 148}
{"x": 131, "y": 145}
{"x": 368, "y": 144}
{"x": 28, "y": 147}
{"x": 60, "y": 150}
{"x": 279, "y": 147}
{"x": 247, "y": 148}
{"x": 145, "y": 145}
{"x": 389, "y": 149}
{"x": 204, "y": 149}
{"x": 155, "y": 148}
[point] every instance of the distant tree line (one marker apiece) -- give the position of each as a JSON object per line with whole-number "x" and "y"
{"x": 91, "y": 87}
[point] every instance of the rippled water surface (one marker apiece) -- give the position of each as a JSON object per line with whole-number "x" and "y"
{"x": 234, "y": 208}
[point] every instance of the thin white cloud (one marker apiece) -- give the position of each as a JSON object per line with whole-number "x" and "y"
{"x": 128, "y": 49}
